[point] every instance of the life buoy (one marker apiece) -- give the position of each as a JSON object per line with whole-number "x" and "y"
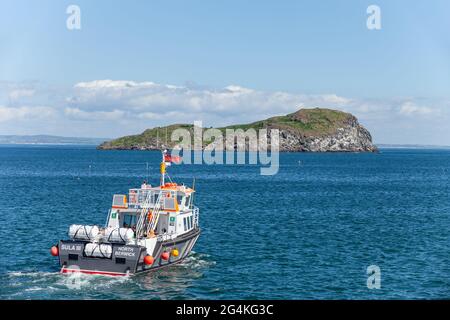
{"x": 170, "y": 184}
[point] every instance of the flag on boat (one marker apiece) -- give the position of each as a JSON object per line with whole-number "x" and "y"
{"x": 168, "y": 159}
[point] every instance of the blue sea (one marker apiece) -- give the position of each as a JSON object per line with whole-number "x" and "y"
{"x": 309, "y": 232}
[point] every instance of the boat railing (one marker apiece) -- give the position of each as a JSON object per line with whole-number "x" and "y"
{"x": 166, "y": 236}
{"x": 143, "y": 215}
{"x": 108, "y": 218}
{"x": 195, "y": 213}
{"x": 138, "y": 197}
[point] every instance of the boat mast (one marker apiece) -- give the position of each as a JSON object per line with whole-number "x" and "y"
{"x": 163, "y": 167}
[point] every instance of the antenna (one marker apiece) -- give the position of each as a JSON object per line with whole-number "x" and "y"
{"x": 163, "y": 167}
{"x": 191, "y": 200}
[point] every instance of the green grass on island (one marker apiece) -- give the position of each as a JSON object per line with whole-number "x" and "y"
{"x": 306, "y": 122}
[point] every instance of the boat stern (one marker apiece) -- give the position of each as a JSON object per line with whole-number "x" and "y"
{"x": 90, "y": 258}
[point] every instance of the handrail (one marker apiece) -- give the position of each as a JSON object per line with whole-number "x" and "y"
{"x": 156, "y": 212}
{"x": 195, "y": 213}
{"x": 108, "y": 218}
{"x": 144, "y": 209}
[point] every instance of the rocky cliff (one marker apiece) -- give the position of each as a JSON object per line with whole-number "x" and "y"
{"x": 307, "y": 130}
{"x": 329, "y": 131}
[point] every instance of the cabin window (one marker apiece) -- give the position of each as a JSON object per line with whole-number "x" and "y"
{"x": 188, "y": 223}
{"x": 180, "y": 200}
{"x": 185, "y": 224}
{"x": 190, "y": 219}
{"x": 129, "y": 221}
{"x": 121, "y": 260}
{"x": 119, "y": 201}
{"x": 169, "y": 203}
{"x": 73, "y": 256}
{"x": 188, "y": 198}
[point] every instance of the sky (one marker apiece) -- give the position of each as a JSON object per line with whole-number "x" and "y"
{"x": 138, "y": 64}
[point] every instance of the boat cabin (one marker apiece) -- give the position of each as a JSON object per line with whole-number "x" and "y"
{"x": 171, "y": 202}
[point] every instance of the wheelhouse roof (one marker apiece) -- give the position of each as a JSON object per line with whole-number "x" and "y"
{"x": 173, "y": 187}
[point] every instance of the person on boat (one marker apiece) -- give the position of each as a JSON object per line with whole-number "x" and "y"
{"x": 145, "y": 185}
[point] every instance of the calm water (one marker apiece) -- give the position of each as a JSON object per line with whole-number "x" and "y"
{"x": 307, "y": 233}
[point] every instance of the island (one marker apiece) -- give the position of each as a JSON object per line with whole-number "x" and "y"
{"x": 306, "y": 130}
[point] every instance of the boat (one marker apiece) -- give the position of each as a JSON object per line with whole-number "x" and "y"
{"x": 147, "y": 229}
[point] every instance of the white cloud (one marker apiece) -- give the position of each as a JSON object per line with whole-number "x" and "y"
{"x": 77, "y": 114}
{"x": 238, "y": 89}
{"x": 20, "y": 93}
{"x": 114, "y": 108}
{"x": 25, "y": 113}
{"x": 112, "y": 84}
{"x": 410, "y": 108}
{"x": 150, "y": 98}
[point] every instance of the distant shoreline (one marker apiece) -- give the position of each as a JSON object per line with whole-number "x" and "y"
{"x": 48, "y": 140}
{"x": 45, "y": 144}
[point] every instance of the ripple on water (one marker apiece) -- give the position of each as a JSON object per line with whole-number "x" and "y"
{"x": 167, "y": 283}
